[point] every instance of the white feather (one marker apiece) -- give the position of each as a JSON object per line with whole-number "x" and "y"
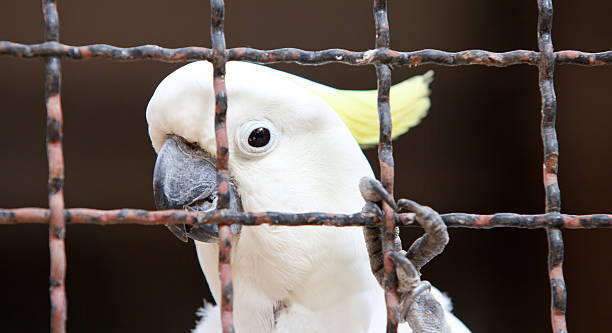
{"x": 210, "y": 319}
{"x": 322, "y": 274}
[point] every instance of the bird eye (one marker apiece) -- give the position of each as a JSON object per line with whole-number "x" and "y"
{"x": 257, "y": 137}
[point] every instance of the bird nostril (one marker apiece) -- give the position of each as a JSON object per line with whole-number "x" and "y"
{"x": 208, "y": 200}
{"x": 203, "y": 204}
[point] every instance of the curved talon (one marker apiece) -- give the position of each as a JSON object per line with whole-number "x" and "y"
{"x": 408, "y": 278}
{"x": 372, "y": 190}
{"x": 405, "y": 205}
{"x": 422, "y": 213}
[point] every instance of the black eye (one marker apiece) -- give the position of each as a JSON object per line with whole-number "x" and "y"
{"x": 259, "y": 137}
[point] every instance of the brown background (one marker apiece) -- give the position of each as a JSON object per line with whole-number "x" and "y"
{"x": 478, "y": 151}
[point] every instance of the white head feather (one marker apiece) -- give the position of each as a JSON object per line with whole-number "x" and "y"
{"x": 312, "y": 144}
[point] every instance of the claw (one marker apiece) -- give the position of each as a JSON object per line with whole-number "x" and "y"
{"x": 424, "y": 215}
{"x": 372, "y": 190}
{"x": 408, "y": 278}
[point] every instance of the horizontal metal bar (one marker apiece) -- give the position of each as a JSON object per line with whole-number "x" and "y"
{"x": 414, "y": 58}
{"x": 160, "y": 217}
{"x": 538, "y": 221}
{"x": 103, "y": 51}
{"x": 583, "y": 58}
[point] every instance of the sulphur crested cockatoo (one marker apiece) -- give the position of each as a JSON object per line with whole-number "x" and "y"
{"x": 290, "y": 151}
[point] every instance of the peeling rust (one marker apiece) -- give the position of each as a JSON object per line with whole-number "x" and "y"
{"x": 551, "y": 162}
{"x": 56, "y": 184}
{"x": 59, "y": 233}
{"x": 54, "y": 130}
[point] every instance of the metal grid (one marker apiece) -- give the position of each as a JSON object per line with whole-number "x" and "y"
{"x": 381, "y": 57}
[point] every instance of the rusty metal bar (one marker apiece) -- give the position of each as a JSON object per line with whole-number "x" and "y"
{"x": 583, "y": 58}
{"x": 396, "y": 58}
{"x": 55, "y": 156}
{"x": 217, "y": 9}
{"x": 161, "y": 217}
{"x": 508, "y": 220}
{"x": 550, "y": 167}
{"x": 103, "y": 51}
{"x": 385, "y": 159}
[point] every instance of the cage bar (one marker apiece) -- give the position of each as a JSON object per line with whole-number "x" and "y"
{"x": 550, "y": 167}
{"x": 161, "y": 217}
{"x": 55, "y": 156}
{"x": 303, "y": 57}
{"x": 385, "y": 159}
{"x": 217, "y": 10}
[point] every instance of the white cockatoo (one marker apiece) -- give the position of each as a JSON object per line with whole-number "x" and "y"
{"x": 290, "y": 151}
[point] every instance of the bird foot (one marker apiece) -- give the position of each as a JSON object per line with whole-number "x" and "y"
{"x": 418, "y": 307}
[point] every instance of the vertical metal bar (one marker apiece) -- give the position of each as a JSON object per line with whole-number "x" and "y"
{"x": 55, "y": 156}
{"x": 550, "y": 167}
{"x": 385, "y": 158}
{"x": 225, "y": 236}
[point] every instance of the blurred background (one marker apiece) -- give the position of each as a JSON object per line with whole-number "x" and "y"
{"x": 478, "y": 151}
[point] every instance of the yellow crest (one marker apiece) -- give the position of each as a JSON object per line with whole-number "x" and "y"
{"x": 358, "y": 108}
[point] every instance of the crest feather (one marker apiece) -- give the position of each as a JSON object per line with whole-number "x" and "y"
{"x": 358, "y": 108}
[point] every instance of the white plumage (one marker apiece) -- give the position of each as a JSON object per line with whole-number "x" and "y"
{"x": 286, "y": 279}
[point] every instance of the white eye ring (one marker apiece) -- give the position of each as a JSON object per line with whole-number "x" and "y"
{"x": 245, "y": 132}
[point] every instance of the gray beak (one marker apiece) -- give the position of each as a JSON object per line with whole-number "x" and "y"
{"x": 185, "y": 177}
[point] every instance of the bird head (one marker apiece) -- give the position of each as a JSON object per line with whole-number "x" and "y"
{"x": 288, "y": 150}
{"x": 289, "y": 147}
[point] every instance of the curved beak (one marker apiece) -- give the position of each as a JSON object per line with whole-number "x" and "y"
{"x": 185, "y": 177}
